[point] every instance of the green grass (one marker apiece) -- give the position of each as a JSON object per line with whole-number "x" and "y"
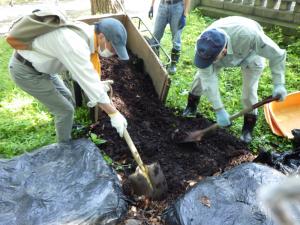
{"x": 26, "y": 125}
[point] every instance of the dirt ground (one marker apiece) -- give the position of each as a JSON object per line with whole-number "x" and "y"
{"x": 151, "y": 126}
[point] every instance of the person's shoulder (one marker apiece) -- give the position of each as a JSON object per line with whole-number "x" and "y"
{"x": 69, "y": 29}
{"x": 81, "y": 25}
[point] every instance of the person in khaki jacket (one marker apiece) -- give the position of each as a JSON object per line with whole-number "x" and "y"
{"x": 235, "y": 42}
{"x": 35, "y": 70}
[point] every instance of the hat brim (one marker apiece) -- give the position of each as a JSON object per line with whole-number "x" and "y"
{"x": 121, "y": 52}
{"x": 201, "y": 62}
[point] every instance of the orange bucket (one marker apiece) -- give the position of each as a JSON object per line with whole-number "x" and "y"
{"x": 283, "y": 117}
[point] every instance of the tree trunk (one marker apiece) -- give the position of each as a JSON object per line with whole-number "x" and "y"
{"x": 106, "y": 6}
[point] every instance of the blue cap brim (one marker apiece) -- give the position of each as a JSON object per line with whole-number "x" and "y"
{"x": 202, "y": 63}
{"x": 121, "y": 52}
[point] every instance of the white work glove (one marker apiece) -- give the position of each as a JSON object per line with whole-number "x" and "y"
{"x": 119, "y": 122}
{"x": 280, "y": 91}
{"x": 107, "y": 84}
{"x": 223, "y": 118}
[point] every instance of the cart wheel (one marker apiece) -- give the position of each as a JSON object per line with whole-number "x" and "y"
{"x": 92, "y": 115}
{"x": 77, "y": 94}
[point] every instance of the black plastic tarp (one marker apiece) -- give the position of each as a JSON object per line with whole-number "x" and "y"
{"x": 286, "y": 162}
{"x": 228, "y": 199}
{"x": 60, "y": 184}
{"x": 296, "y": 139}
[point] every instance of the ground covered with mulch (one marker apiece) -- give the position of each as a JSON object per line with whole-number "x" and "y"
{"x": 151, "y": 126}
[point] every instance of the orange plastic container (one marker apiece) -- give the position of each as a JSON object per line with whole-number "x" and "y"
{"x": 271, "y": 122}
{"x": 284, "y": 116}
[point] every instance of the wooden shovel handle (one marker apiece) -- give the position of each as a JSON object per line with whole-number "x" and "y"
{"x": 242, "y": 112}
{"x": 255, "y": 106}
{"x": 137, "y": 157}
{"x": 134, "y": 151}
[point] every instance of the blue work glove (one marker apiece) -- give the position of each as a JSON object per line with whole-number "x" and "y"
{"x": 223, "y": 118}
{"x": 182, "y": 22}
{"x": 150, "y": 13}
{"x": 280, "y": 91}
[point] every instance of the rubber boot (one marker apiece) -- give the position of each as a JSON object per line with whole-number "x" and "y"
{"x": 175, "y": 54}
{"x": 249, "y": 124}
{"x": 191, "y": 108}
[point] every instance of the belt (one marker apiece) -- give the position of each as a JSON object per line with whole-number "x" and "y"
{"x": 23, "y": 60}
{"x": 170, "y": 2}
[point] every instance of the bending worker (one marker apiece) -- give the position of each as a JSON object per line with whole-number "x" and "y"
{"x": 35, "y": 71}
{"x": 171, "y": 12}
{"x": 235, "y": 42}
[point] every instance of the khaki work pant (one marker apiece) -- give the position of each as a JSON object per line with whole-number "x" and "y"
{"x": 50, "y": 91}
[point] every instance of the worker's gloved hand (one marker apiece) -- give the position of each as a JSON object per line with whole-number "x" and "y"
{"x": 119, "y": 122}
{"x": 280, "y": 91}
{"x": 150, "y": 13}
{"x": 223, "y": 118}
{"x": 182, "y": 22}
{"x": 107, "y": 84}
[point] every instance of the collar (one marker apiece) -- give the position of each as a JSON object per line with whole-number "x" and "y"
{"x": 229, "y": 45}
{"x": 228, "y": 42}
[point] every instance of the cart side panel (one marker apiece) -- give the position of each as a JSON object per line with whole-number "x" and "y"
{"x": 138, "y": 45}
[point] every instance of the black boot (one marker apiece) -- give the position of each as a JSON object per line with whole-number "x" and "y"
{"x": 249, "y": 124}
{"x": 175, "y": 54}
{"x": 191, "y": 108}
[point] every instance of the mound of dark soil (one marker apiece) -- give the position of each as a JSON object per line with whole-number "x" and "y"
{"x": 151, "y": 126}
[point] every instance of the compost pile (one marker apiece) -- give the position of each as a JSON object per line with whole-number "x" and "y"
{"x": 152, "y": 126}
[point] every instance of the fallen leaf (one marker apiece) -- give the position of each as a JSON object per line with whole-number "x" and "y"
{"x": 205, "y": 201}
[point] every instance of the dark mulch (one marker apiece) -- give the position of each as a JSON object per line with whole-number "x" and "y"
{"x": 151, "y": 126}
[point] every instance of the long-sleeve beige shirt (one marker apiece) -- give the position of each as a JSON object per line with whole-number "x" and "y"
{"x": 64, "y": 49}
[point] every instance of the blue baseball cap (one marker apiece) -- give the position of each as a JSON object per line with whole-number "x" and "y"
{"x": 209, "y": 46}
{"x": 115, "y": 32}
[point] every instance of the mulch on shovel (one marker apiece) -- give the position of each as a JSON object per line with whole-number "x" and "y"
{"x": 151, "y": 126}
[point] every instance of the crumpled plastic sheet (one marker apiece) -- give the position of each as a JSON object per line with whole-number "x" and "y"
{"x": 286, "y": 162}
{"x": 230, "y": 198}
{"x": 60, "y": 184}
{"x": 296, "y": 139}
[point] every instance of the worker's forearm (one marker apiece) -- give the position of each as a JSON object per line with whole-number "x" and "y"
{"x": 277, "y": 66}
{"x": 152, "y": 4}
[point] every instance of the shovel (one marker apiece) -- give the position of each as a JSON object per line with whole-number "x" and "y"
{"x": 197, "y": 135}
{"x": 147, "y": 180}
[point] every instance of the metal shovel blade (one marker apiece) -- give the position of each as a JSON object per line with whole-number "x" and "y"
{"x": 140, "y": 185}
{"x": 147, "y": 180}
{"x": 193, "y": 136}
